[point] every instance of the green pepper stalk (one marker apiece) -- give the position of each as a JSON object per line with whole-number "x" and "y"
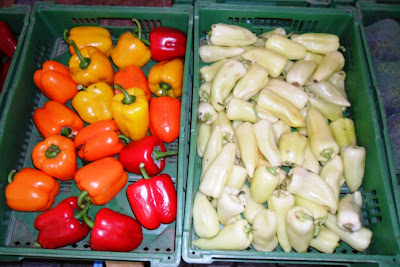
{"x": 208, "y": 72}
{"x": 231, "y": 35}
{"x": 320, "y": 43}
{"x": 224, "y": 81}
{"x": 270, "y": 60}
{"x": 344, "y": 132}
{"x": 327, "y": 109}
{"x": 205, "y": 218}
{"x": 264, "y": 231}
{"x": 292, "y": 148}
{"x": 212, "y": 149}
{"x": 279, "y": 128}
{"x": 301, "y": 72}
{"x": 247, "y": 144}
{"x": 214, "y": 53}
{"x": 280, "y": 108}
{"x": 310, "y": 161}
{"x": 359, "y": 240}
{"x": 354, "y": 166}
{"x": 326, "y": 241}
{"x": 204, "y": 92}
{"x": 322, "y": 142}
{"x": 230, "y": 203}
{"x": 331, "y": 63}
{"x": 281, "y": 202}
{"x": 286, "y": 47}
{"x": 279, "y": 30}
{"x": 312, "y": 187}
{"x": 237, "y": 176}
{"x": 255, "y": 79}
{"x": 206, "y": 113}
{"x": 217, "y": 174}
{"x": 266, "y": 142}
{"x": 293, "y": 94}
{"x": 226, "y": 127}
{"x": 252, "y": 207}
{"x": 263, "y": 183}
{"x": 319, "y": 213}
{"x": 349, "y": 212}
{"x": 332, "y": 173}
{"x": 328, "y": 92}
{"x": 299, "y": 228}
{"x": 240, "y": 110}
{"x": 338, "y": 80}
{"x": 317, "y": 58}
{"x": 203, "y": 134}
{"x": 234, "y": 236}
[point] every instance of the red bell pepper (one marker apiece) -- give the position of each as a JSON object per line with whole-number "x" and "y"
{"x": 114, "y": 231}
{"x": 165, "y": 114}
{"x": 167, "y": 43}
{"x": 149, "y": 150}
{"x": 153, "y": 200}
{"x": 63, "y": 225}
{"x": 8, "y": 43}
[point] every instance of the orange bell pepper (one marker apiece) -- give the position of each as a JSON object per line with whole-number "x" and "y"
{"x": 56, "y": 118}
{"x": 55, "y": 82}
{"x": 101, "y": 180}
{"x": 131, "y": 77}
{"x": 31, "y": 190}
{"x": 56, "y": 156}
{"x": 166, "y": 78}
{"x": 99, "y": 140}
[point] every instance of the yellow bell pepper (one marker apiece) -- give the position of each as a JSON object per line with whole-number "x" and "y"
{"x": 166, "y": 78}
{"x": 91, "y": 36}
{"x": 93, "y": 103}
{"x": 89, "y": 65}
{"x": 130, "y": 110}
{"x": 131, "y": 50}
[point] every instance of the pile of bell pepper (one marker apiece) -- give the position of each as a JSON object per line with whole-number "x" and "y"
{"x": 104, "y": 111}
{"x": 8, "y": 46}
{"x": 277, "y": 144}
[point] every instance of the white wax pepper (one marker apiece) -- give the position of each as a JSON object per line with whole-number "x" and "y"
{"x": 349, "y": 212}
{"x": 230, "y": 203}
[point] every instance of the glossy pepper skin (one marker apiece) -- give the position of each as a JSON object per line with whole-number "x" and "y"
{"x": 55, "y": 82}
{"x": 98, "y": 140}
{"x": 8, "y": 43}
{"x": 167, "y": 43}
{"x": 165, "y": 114}
{"x": 150, "y": 150}
{"x": 166, "y": 76}
{"x": 91, "y": 36}
{"x": 114, "y": 231}
{"x": 62, "y": 225}
{"x": 102, "y": 179}
{"x": 93, "y": 103}
{"x": 55, "y": 118}
{"x": 131, "y": 49}
{"x": 89, "y": 65}
{"x": 153, "y": 200}
{"x": 56, "y": 156}
{"x": 132, "y": 76}
{"x": 130, "y": 110}
{"x": 31, "y": 190}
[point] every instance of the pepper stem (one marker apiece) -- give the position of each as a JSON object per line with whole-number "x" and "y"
{"x": 88, "y": 221}
{"x": 255, "y": 112}
{"x": 143, "y": 171}
{"x": 67, "y": 132}
{"x": 11, "y": 175}
{"x": 273, "y": 170}
{"x": 159, "y": 154}
{"x": 81, "y": 87}
{"x": 123, "y": 138}
{"x": 301, "y": 215}
{"x": 326, "y": 153}
{"x": 85, "y": 62}
{"x": 206, "y": 118}
{"x": 52, "y": 151}
{"x": 128, "y": 99}
{"x": 165, "y": 87}
{"x": 81, "y": 198}
{"x": 79, "y": 215}
{"x": 139, "y": 32}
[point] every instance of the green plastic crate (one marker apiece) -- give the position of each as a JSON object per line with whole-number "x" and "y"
{"x": 369, "y": 14}
{"x": 378, "y": 208}
{"x": 17, "y": 17}
{"x": 161, "y": 247}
